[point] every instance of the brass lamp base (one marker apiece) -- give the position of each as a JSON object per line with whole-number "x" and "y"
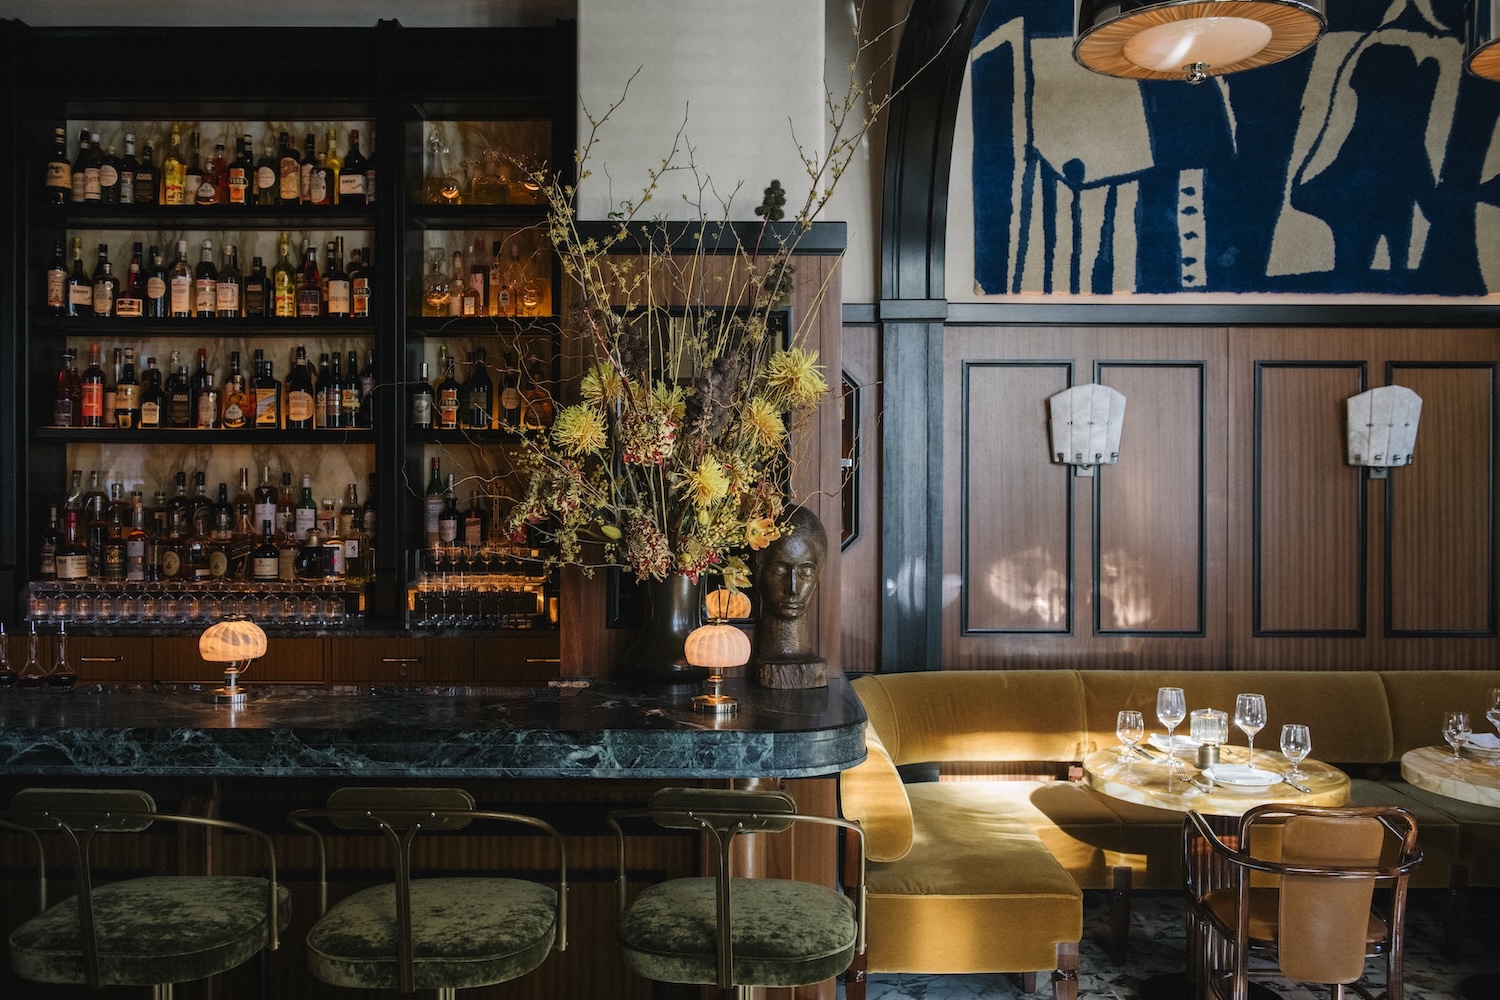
{"x": 231, "y": 693}
{"x": 713, "y": 701}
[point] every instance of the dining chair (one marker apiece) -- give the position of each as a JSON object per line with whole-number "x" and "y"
{"x": 443, "y": 933}
{"x": 735, "y": 931}
{"x": 152, "y": 930}
{"x": 1308, "y": 904}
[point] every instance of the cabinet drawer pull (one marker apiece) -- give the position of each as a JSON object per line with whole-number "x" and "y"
{"x": 543, "y": 659}
{"x": 101, "y": 659}
{"x": 400, "y": 659}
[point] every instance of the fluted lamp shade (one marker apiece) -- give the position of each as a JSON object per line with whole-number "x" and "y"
{"x": 726, "y": 603}
{"x": 1481, "y": 53}
{"x": 718, "y": 647}
{"x": 234, "y": 643}
{"x": 1192, "y": 40}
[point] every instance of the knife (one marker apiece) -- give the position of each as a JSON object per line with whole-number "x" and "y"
{"x": 1301, "y": 788}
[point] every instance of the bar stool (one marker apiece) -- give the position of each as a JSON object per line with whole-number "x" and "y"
{"x": 443, "y": 934}
{"x": 154, "y": 930}
{"x": 729, "y": 931}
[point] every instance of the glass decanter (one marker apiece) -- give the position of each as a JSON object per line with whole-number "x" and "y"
{"x": 7, "y": 672}
{"x": 62, "y": 673}
{"x": 32, "y": 675}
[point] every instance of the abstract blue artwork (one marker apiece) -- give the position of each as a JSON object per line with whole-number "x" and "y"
{"x": 1368, "y": 164}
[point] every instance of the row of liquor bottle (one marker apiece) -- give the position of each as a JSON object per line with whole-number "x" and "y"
{"x": 262, "y": 536}
{"x": 517, "y": 402}
{"x": 181, "y": 291}
{"x": 280, "y": 178}
{"x": 491, "y": 177}
{"x": 121, "y": 398}
{"x": 497, "y": 281}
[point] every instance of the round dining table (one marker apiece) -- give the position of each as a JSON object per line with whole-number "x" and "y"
{"x": 1469, "y": 779}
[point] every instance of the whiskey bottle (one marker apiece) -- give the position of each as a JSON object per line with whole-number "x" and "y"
{"x": 238, "y": 405}
{"x": 334, "y": 569}
{"x": 179, "y": 395}
{"x": 310, "y": 286}
{"x": 339, "y": 288}
{"x": 80, "y": 299}
{"x": 72, "y": 555}
{"x": 288, "y": 169}
{"x": 80, "y": 166}
{"x": 510, "y": 395}
{"x": 284, "y": 281}
{"x": 264, "y": 499}
{"x": 305, "y": 169}
{"x": 112, "y": 559}
{"x": 320, "y": 397}
{"x": 266, "y": 179}
{"x": 93, "y": 164}
{"x": 205, "y": 283}
{"x": 128, "y": 168}
{"x": 137, "y": 542}
{"x": 267, "y": 395}
{"x": 47, "y": 565}
{"x": 300, "y": 415}
{"x": 201, "y": 508}
{"x": 305, "y": 517}
{"x": 192, "y": 185}
{"x": 59, "y": 177}
{"x": 449, "y": 517}
{"x": 370, "y": 194}
{"x": 205, "y": 399}
{"x": 308, "y": 564}
{"x": 57, "y": 282}
{"x": 254, "y": 289}
{"x": 352, "y": 176}
{"x": 109, "y": 177}
{"x": 480, "y": 395}
{"x": 286, "y": 507}
{"x": 432, "y": 507}
{"x": 420, "y": 403}
{"x": 112, "y": 378}
{"x": 131, "y": 303}
{"x": 240, "y": 175}
{"x": 331, "y": 392}
{"x": 227, "y": 290}
{"x": 157, "y": 301}
{"x": 180, "y": 285}
{"x": 91, "y": 402}
{"x": 153, "y": 399}
{"x": 179, "y": 511}
{"x": 147, "y": 179}
{"x": 65, "y": 395}
{"x": 264, "y": 560}
{"x": 127, "y": 413}
{"x": 174, "y": 172}
{"x": 448, "y": 393}
{"x": 242, "y": 539}
{"x": 352, "y": 392}
{"x": 359, "y": 285}
{"x": 106, "y": 285}
{"x": 214, "y": 188}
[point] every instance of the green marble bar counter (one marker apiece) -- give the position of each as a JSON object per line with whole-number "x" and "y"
{"x": 586, "y": 729}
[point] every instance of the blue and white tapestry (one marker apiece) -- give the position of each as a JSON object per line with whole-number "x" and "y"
{"x": 1367, "y": 164}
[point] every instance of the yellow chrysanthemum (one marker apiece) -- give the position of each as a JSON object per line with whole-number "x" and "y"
{"x": 602, "y": 385}
{"x": 796, "y": 375}
{"x": 579, "y": 429}
{"x": 669, "y": 400}
{"x": 707, "y": 484}
{"x": 760, "y": 532}
{"x": 764, "y": 424}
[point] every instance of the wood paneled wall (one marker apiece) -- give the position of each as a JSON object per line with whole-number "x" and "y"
{"x": 1232, "y": 533}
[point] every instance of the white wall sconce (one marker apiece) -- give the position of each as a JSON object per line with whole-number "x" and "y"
{"x": 1086, "y": 425}
{"x": 1383, "y": 428}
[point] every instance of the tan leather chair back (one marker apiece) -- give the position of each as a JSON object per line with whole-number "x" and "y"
{"x": 1324, "y": 922}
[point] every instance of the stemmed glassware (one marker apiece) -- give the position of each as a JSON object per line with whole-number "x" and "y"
{"x": 1250, "y": 717}
{"x": 1455, "y": 731}
{"x": 1296, "y": 744}
{"x": 1171, "y": 709}
{"x": 1492, "y": 713}
{"x": 1131, "y": 729}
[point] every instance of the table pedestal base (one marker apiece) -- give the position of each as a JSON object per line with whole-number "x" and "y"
{"x": 1485, "y": 986}
{"x": 1174, "y": 986}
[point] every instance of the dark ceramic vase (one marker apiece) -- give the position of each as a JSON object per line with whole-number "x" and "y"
{"x": 655, "y": 656}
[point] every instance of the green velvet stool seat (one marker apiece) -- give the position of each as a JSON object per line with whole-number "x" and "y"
{"x": 731, "y": 931}
{"x": 149, "y": 931}
{"x": 444, "y": 934}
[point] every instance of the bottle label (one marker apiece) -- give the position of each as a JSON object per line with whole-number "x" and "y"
{"x": 349, "y": 399}
{"x": 333, "y": 560}
{"x": 227, "y": 297}
{"x": 108, "y": 176}
{"x": 370, "y": 187}
{"x": 129, "y": 308}
{"x": 205, "y": 193}
{"x": 448, "y": 409}
{"x": 265, "y": 178}
{"x": 135, "y": 559}
{"x": 81, "y": 295}
{"x": 447, "y": 529}
{"x": 93, "y": 403}
{"x": 299, "y": 405}
{"x": 234, "y": 415}
{"x": 359, "y": 297}
{"x": 72, "y": 566}
{"x": 78, "y": 185}
{"x": 317, "y": 187}
{"x": 265, "y": 408}
{"x": 265, "y": 567}
{"x": 265, "y": 512}
{"x": 239, "y": 184}
{"x": 510, "y": 398}
{"x": 182, "y": 295}
{"x": 174, "y": 183}
{"x": 338, "y": 298}
{"x": 351, "y": 550}
{"x": 472, "y": 537}
{"x": 309, "y": 303}
{"x": 145, "y": 184}
{"x": 127, "y": 403}
{"x": 104, "y": 298}
{"x": 351, "y": 184}
{"x": 208, "y": 410}
{"x": 255, "y": 300}
{"x": 91, "y": 188}
{"x": 56, "y": 284}
{"x": 286, "y": 568}
{"x": 171, "y": 564}
{"x": 150, "y": 415}
{"x": 305, "y": 520}
{"x": 156, "y": 288}
{"x": 286, "y": 303}
{"x": 206, "y": 294}
{"x": 62, "y": 412}
{"x": 127, "y": 187}
{"x": 112, "y": 562}
{"x": 291, "y": 179}
{"x": 434, "y": 516}
{"x": 60, "y": 174}
{"x": 47, "y": 567}
{"x": 421, "y": 411}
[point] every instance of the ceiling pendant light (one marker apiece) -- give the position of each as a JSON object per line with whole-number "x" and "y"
{"x": 1482, "y": 40}
{"x": 1193, "y": 40}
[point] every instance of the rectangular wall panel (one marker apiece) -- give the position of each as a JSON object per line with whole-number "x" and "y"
{"x": 1150, "y": 572}
{"x": 1018, "y": 511}
{"x": 1440, "y": 568}
{"x": 1309, "y": 521}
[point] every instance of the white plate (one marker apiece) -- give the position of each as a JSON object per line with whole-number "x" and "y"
{"x": 1240, "y": 776}
{"x": 1480, "y": 753}
{"x": 1159, "y": 740}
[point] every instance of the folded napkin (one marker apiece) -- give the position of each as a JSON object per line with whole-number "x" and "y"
{"x": 1484, "y": 741}
{"x": 1159, "y": 740}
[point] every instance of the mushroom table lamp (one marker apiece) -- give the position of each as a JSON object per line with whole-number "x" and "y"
{"x": 719, "y": 647}
{"x": 234, "y": 643}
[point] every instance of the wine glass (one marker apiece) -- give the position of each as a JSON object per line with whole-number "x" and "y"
{"x": 1296, "y": 744}
{"x": 1250, "y": 717}
{"x": 1493, "y": 711}
{"x": 1130, "y": 728}
{"x": 1455, "y": 731}
{"x": 1171, "y": 709}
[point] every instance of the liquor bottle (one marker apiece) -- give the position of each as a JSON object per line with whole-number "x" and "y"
{"x": 153, "y": 398}
{"x": 300, "y": 415}
{"x": 64, "y": 399}
{"x": 320, "y": 396}
{"x": 473, "y": 528}
{"x": 131, "y": 303}
{"x": 339, "y": 289}
{"x": 254, "y": 291}
{"x": 72, "y": 555}
{"x": 435, "y": 291}
{"x": 111, "y": 380}
{"x": 179, "y": 509}
{"x": 238, "y": 406}
{"x": 80, "y": 167}
{"x": 112, "y": 558}
{"x": 510, "y": 395}
{"x": 241, "y": 175}
{"x": 214, "y": 189}
{"x": 57, "y": 282}
{"x": 147, "y": 178}
{"x": 310, "y": 286}
{"x": 536, "y": 402}
{"x": 308, "y": 564}
{"x": 369, "y": 525}
{"x": 286, "y": 507}
{"x": 352, "y": 176}
{"x": 201, "y": 508}
{"x": 323, "y": 184}
{"x": 441, "y": 187}
{"x": 47, "y": 565}
{"x": 137, "y": 542}
{"x": 197, "y": 554}
{"x": 331, "y": 392}
{"x": 420, "y": 403}
{"x": 432, "y": 507}
{"x": 352, "y": 391}
{"x": 264, "y": 499}
{"x": 227, "y": 290}
{"x": 284, "y": 281}
{"x": 356, "y": 566}
{"x": 535, "y": 291}
{"x": 328, "y": 254}
{"x": 157, "y": 299}
{"x": 370, "y": 190}
{"x": 479, "y": 395}
{"x": 267, "y": 395}
{"x": 174, "y": 172}
{"x": 93, "y": 165}
{"x": 156, "y": 535}
{"x": 305, "y": 169}
{"x": 80, "y": 298}
{"x": 193, "y": 177}
{"x": 179, "y": 394}
{"x": 180, "y": 285}
{"x": 59, "y": 176}
{"x": 458, "y": 287}
{"x": 106, "y": 285}
{"x": 221, "y": 518}
{"x": 109, "y": 176}
{"x": 91, "y": 401}
{"x": 205, "y": 398}
{"x": 205, "y": 283}
{"x": 306, "y": 514}
{"x": 266, "y": 177}
{"x": 479, "y": 279}
{"x": 288, "y": 170}
{"x": 242, "y": 538}
{"x": 499, "y": 300}
{"x": 449, "y": 519}
{"x": 334, "y": 568}
{"x": 128, "y": 395}
{"x": 128, "y": 168}
{"x": 351, "y": 514}
{"x": 95, "y": 532}
{"x": 448, "y": 394}
{"x": 74, "y": 499}
{"x": 264, "y": 560}
{"x": 359, "y": 286}
{"x": 366, "y": 416}
{"x": 94, "y": 501}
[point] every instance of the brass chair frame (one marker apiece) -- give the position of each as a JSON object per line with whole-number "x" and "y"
{"x": 724, "y": 814}
{"x": 401, "y": 814}
{"x": 77, "y": 815}
{"x": 1198, "y": 832}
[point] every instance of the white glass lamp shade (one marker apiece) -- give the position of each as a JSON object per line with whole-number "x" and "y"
{"x": 232, "y": 642}
{"x": 718, "y": 647}
{"x": 1192, "y": 39}
{"x": 1382, "y": 426}
{"x": 1481, "y": 51}
{"x": 1086, "y": 425}
{"x": 725, "y": 603}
